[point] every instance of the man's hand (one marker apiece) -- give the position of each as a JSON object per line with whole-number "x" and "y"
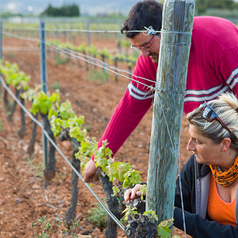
{"x": 90, "y": 170}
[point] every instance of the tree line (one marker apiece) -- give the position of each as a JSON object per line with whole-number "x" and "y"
{"x": 202, "y": 6}
{"x": 64, "y": 11}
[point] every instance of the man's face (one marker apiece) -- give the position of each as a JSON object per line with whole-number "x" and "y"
{"x": 149, "y": 45}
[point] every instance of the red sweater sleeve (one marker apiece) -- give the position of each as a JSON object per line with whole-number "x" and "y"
{"x": 133, "y": 106}
{"x": 124, "y": 120}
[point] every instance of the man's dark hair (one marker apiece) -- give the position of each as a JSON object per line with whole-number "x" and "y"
{"x": 143, "y": 14}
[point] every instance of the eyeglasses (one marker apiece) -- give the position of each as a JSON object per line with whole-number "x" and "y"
{"x": 145, "y": 47}
{"x": 210, "y": 115}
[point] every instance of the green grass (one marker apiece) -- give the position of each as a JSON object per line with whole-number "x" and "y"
{"x": 47, "y": 225}
{"x": 55, "y": 86}
{"x": 37, "y": 166}
{"x": 98, "y": 216}
{"x": 1, "y": 125}
{"x": 99, "y": 76}
{"x": 59, "y": 60}
{"x": 11, "y": 54}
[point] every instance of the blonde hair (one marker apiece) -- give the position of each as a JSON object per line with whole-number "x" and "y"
{"x": 226, "y": 107}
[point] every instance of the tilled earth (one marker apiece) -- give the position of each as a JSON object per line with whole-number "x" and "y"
{"x": 24, "y": 203}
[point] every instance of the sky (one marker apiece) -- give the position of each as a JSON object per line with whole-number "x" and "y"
{"x": 91, "y": 7}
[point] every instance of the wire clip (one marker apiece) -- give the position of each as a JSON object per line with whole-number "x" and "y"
{"x": 150, "y": 30}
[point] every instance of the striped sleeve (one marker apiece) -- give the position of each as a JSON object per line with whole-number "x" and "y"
{"x": 229, "y": 69}
{"x": 205, "y": 95}
{"x": 139, "y": 94}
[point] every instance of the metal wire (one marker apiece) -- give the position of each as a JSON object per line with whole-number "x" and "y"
{"x": 61, "y": 153}
{"x": 104, "y": 65}
{"x": 99, "y": 31}
{"x": 21, "y": 37}
{"x": 109, "y": 68}
{"x": 63, "y": 30}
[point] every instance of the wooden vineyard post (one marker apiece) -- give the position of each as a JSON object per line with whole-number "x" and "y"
{"x": 43, "y": 86}
{"x": 168, "y": 106}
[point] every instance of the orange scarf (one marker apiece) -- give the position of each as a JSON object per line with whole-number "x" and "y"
{"x": 225, "y": 178}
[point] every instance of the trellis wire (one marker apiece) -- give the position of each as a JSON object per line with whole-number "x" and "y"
{"x": 67, "y": 30}
{"x": 104, "y": 66}
{"x": 20, "y": 37}
{"x": 67, "y": 51}
{"x": 98, "y": 31}
{"x": 87, "y": 56}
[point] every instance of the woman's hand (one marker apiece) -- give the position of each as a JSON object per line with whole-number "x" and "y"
{"x": 132, "y": 193}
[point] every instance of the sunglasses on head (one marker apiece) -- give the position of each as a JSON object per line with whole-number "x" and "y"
{"x": 210, "y": 115}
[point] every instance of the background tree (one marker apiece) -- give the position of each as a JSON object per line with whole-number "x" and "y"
{"x": 64, "y": 11}
{"x": 6, "y": 14}
{"x": 204, "y": 5}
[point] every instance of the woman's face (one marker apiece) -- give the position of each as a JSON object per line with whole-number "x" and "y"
{"x": 205, "y": 150}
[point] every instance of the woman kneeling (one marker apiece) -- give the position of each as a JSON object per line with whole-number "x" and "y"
{"x": 210, "y": 177}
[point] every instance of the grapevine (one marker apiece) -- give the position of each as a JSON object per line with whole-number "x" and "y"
{"x": 19, "y": 80}
{"x": 14, "y": 76}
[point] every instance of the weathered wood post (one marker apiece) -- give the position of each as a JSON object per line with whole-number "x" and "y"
{"x": 168, "y": 106}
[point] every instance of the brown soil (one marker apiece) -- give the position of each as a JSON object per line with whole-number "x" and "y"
{"x": 23, "y": 200}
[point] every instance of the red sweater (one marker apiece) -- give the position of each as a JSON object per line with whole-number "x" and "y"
{"x": 212, "y": 70}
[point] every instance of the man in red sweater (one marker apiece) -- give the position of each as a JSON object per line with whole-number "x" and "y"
{"x": 212, "y": 70}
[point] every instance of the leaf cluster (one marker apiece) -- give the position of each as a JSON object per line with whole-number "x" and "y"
{"x": 115, "y": 170}
{"x": 86, "y": 150}
{"x": 126, "y": 43}
{"x": 63, "y": 117}
{"x": 98, "y": 215}
{"x": 43, "y": 103}
{"x": 14, "y": 76}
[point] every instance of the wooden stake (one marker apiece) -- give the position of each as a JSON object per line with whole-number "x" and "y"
{"x": 168, "y": 106}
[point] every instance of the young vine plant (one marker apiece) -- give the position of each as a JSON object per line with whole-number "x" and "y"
{"x": 93, "y": 50}
{"x": 14, "y": 76}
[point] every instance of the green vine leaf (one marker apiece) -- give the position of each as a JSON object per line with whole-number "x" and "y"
{"x": 164, "y": 228}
